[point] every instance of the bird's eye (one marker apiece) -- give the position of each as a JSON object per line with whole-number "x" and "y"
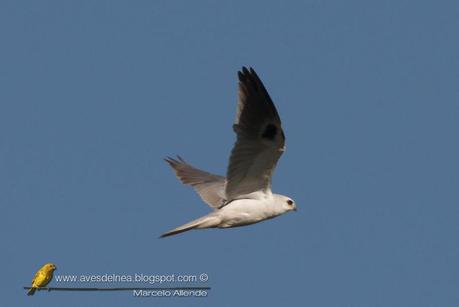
{"x": 290, "y": 202}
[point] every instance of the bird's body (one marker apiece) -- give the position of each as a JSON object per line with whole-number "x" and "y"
{"x": 42, "y": 277}
{"x": 244, "y": 196}
{"x": 246, "y": 211}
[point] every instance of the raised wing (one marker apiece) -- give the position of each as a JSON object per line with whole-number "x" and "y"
{"x": 260, "y": 139}
{"x": 210, "y": 187}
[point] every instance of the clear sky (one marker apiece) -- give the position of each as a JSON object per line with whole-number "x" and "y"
{"x": 94, "y": 94}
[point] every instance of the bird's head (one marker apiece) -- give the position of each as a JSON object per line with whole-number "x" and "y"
{"x": 50, "y": 266}
{"x": 287, "y": 203}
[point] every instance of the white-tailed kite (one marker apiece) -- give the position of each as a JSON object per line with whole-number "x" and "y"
{"x": 244, "y": 197}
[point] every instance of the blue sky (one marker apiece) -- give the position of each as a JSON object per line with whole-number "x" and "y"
{"x": 96, "y": 93}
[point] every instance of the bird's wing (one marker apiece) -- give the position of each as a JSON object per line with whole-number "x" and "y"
{"x": 260, "y": 139}
{"x": 35, "y": 277}
{"x": 210, "y": 187}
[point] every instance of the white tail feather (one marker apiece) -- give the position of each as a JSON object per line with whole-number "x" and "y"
{"x": 208, "y": 221}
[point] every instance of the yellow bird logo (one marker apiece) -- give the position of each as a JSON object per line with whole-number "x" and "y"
{"x": 42, "y": 277}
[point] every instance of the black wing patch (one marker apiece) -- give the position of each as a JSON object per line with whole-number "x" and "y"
{"x": 269, "y": 132}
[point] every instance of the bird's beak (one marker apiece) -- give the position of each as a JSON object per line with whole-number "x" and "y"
{"x": 294, "y": 209}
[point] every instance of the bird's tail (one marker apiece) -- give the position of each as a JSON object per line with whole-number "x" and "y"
{"x": 207, "y": 221}
{"x": 31, "y": 291}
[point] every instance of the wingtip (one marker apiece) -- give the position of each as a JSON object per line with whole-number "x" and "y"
{"x": 247, "y": 69}
{"x": 177, "y": 159}
{"x": 244, "y": 72}
{"x": 248, "y": 74}
{"x": 241, "y": 75}
{"x": 180, "y": 159}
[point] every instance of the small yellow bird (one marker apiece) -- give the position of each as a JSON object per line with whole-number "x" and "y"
{"x": 42, "y": 277}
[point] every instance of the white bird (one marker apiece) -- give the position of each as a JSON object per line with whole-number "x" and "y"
{"x": 244, "y": 197}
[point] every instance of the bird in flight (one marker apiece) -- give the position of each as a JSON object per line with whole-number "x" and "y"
{"x": 244, "y": 197}
{"x": 42, "y": 277}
